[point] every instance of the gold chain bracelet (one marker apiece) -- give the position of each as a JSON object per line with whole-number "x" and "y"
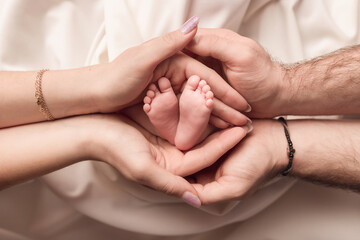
{"x": 43, "y": 108}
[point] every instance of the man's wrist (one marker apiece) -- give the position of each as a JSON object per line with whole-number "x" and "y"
{"x": 280, "y": 151}
{"x": 286, "y": 91}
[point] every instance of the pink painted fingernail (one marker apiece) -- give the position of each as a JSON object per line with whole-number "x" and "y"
{"x": 191, "y": 199}
{"x": 189, "y": 25}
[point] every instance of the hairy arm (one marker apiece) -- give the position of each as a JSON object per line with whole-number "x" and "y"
{"x": 326, "y": 85}
{"x": 327, "y": 152}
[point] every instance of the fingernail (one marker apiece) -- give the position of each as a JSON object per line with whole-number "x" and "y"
{"x": 248, "y": 109}
{"x": 189, "y": 25}
{"x": 191, "y": 199}
{"x": 249, "y": 121}
{"x": 249, "y": 126}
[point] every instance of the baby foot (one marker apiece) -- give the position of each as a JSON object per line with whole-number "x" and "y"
{"x": 162, "y": 108}
{"x": 196, "y": 103}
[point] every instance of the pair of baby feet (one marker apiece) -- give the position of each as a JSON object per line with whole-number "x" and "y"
{"x": 180, "y": 121}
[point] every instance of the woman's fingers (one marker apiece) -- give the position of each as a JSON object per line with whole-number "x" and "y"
{"x": 210, "y": 150}
{"x": 162, "y": 180}
{"x": 217, "y": 191}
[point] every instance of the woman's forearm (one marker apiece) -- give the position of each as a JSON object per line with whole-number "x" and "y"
{"x": 326, "y": 85}
{"x": 66, "y": 93}
{"x": 327, "y": 152}
{"x": 29, "y": 151}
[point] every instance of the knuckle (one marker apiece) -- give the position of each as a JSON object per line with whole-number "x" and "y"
{"x": 168, "y": 188}
{"x": 228, "y": 33}
{"x": 169, "y": 39}
{"x": 214, "y": 40}
{"x": 247, "y": 57}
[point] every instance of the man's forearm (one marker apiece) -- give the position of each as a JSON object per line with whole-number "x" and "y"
{"x": 327, "y": 152}
{"x": 325, "y": 85}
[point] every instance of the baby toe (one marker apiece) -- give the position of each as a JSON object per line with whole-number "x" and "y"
{"x": 192, "y": 83}
{"x": 205, "y": 88}
{"x": 209, "y": 95}
{"x": 164, "y": 85}
{"x": 202, "y": 83}
{"x": 146, "y": 107}
{"x": 150, "y": 94}
{"x": 153, "y": 88}
{"x": 147, "y": 100}
{"x": 209, "y": 103}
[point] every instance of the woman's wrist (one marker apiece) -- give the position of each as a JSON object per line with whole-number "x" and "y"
{"x": 92, "y": 135}
{"x": 99, "y": 133}
{"x": 73, "y": 92}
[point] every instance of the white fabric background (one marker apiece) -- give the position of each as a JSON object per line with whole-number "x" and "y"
{"x": 65, "y": 34}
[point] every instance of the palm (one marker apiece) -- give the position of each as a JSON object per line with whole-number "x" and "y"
{"x": 249, "y": 164}
{"x": 134, "y": 147}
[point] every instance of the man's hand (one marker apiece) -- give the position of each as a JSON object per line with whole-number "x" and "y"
{"x": 246, "y": 65}
{"x": 254, "y": 161}
{"x": 325, "y": 153}
{"x": 327, "y": 85}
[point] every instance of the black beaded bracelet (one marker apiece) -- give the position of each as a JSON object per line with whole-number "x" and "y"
{"x": 291, "y": 149}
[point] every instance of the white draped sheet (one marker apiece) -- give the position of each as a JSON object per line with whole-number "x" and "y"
{"x": 66, "y": 34}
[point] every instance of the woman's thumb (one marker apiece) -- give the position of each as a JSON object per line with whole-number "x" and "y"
{"x": 158, "y": 49}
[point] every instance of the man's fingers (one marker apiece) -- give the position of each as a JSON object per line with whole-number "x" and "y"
{"x": 217, "y": 43}
{"x": 158, "y": 49}
{"x": 210, "y": 150}
{"x": 218, "y": 123}
{"x": 221, "y": 89}
{"x": 228, "y": 114}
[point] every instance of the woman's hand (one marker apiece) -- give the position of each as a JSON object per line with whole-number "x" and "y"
{"x": 99, "y": 88}
{"x": 30, "y": 151}
{"x": 126, "y": 78}
{"x": 112, "y": 86}
{"x": 152, "y": 161}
